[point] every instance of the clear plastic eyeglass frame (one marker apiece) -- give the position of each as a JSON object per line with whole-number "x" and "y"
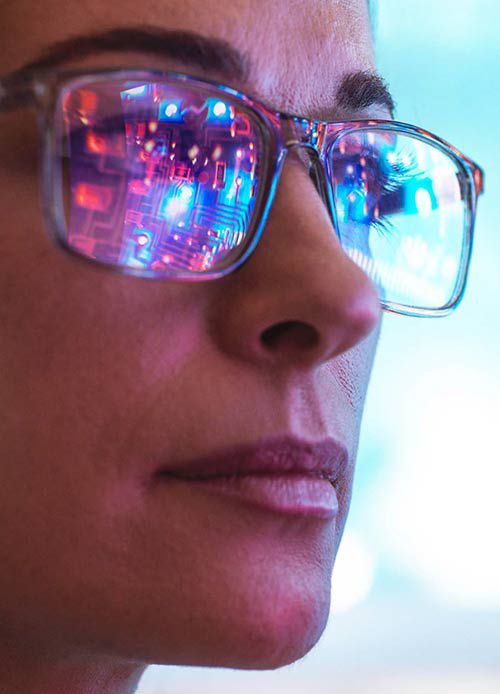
{"x": 280, "y": 133}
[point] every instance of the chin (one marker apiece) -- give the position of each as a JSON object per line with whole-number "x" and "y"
{"x": 259, "y": 600}
{"x": 281, "y": 643}
{"x": 266, "y": 634}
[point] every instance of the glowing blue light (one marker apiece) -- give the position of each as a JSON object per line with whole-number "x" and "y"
{"x": 143, "y": 237}
{"x": 178, "y": 203}
{"x": 136, "y": 91}
{"x": 137, "y": 251}
{"x": 170, "y": 110}
{"x": 423, "y": 202}
{"x": 219, "y": 112}
{"x": 174, "y": 207}
{"x": 220, "y": 109}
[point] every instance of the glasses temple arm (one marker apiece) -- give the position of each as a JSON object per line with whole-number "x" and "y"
{"x": 478, "y": 174}
{"x": 18, "y": 91}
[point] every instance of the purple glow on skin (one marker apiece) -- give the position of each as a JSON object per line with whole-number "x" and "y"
{"x": 103, "y": 373}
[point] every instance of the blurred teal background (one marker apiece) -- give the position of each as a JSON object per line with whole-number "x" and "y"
{"x": 417, "y": 580}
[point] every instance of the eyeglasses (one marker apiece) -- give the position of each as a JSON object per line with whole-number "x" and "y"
{"x": 167, "y": 176}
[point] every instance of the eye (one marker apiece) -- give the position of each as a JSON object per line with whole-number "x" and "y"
{"x": 369, "y": 185}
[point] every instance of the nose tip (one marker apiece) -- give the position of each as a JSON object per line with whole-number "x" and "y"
{"x": 299, "y": 300}
{"x": 315, "y": 340}
{"x": 331, "y": 316}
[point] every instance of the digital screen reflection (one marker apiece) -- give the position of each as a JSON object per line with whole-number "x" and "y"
{"x": 158, "y": 176}
{"x": 401, "y": 214}
{"x": 163, "y": 177}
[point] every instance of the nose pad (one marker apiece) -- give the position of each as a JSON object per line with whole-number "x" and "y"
{"x": 316, "y": 171}
{"x": 317, "y": 176}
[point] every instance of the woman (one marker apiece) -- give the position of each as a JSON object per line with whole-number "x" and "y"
{"x": 178, "y": 455}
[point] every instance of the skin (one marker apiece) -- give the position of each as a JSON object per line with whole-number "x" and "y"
{"x": 104, "y": 572}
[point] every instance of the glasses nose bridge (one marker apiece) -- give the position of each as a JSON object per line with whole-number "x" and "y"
{"x": 301, "y": 132}
{"x": 308, "y": 136}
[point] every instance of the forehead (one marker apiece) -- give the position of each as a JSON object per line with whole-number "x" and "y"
{"x": 298, "y": 50}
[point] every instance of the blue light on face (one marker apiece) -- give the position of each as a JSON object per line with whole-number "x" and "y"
{"x": 170, "y": 111}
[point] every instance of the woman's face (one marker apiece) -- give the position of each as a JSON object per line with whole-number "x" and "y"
{"x": 107, "y": 378}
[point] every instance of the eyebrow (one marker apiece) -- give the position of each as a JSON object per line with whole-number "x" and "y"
{"x": 358, "y": 90}
{"x": 186, "y": 46}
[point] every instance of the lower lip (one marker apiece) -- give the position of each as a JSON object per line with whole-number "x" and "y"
{"x": 292, "y": 494}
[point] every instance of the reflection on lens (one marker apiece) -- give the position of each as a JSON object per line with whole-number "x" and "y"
{"x": 401, "y": 212}
{"x": 157, "y": 176}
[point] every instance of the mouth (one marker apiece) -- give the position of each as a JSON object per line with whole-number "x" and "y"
{"x": 284, "y": 475}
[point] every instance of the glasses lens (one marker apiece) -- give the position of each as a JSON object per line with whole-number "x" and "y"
{"x": 402, "y": 213}
{"x": 160, "y": 176}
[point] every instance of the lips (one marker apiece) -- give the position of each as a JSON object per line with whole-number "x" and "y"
{"x": 284, "y": 475}
{"x": 324, "y": 459}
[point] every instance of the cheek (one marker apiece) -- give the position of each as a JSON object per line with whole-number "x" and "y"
{"x": 344, "y": 381}
{"x": 75, "y": 341}
{"x": 76, "y": 346}
{"x": 354, "y": 369}
{"x": 343, "y": 384}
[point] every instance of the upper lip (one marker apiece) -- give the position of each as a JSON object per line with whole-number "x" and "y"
{"x": 284, "y": 455}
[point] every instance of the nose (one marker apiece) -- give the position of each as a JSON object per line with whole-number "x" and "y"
{"x": 299, "y": 300}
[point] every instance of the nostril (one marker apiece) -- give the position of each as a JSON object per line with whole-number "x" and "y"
{"x": 288, "y": 334}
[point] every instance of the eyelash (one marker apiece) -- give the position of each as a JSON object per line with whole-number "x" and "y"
{"x": 394, "y": 182}
{"x": 391, "y": 182}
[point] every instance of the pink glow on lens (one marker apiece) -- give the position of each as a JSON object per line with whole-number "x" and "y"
{"x": 170, "y": 195}
{"x": 93, "y": 197}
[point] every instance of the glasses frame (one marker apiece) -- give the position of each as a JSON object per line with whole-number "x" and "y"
{"x": 281, "y": 133}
